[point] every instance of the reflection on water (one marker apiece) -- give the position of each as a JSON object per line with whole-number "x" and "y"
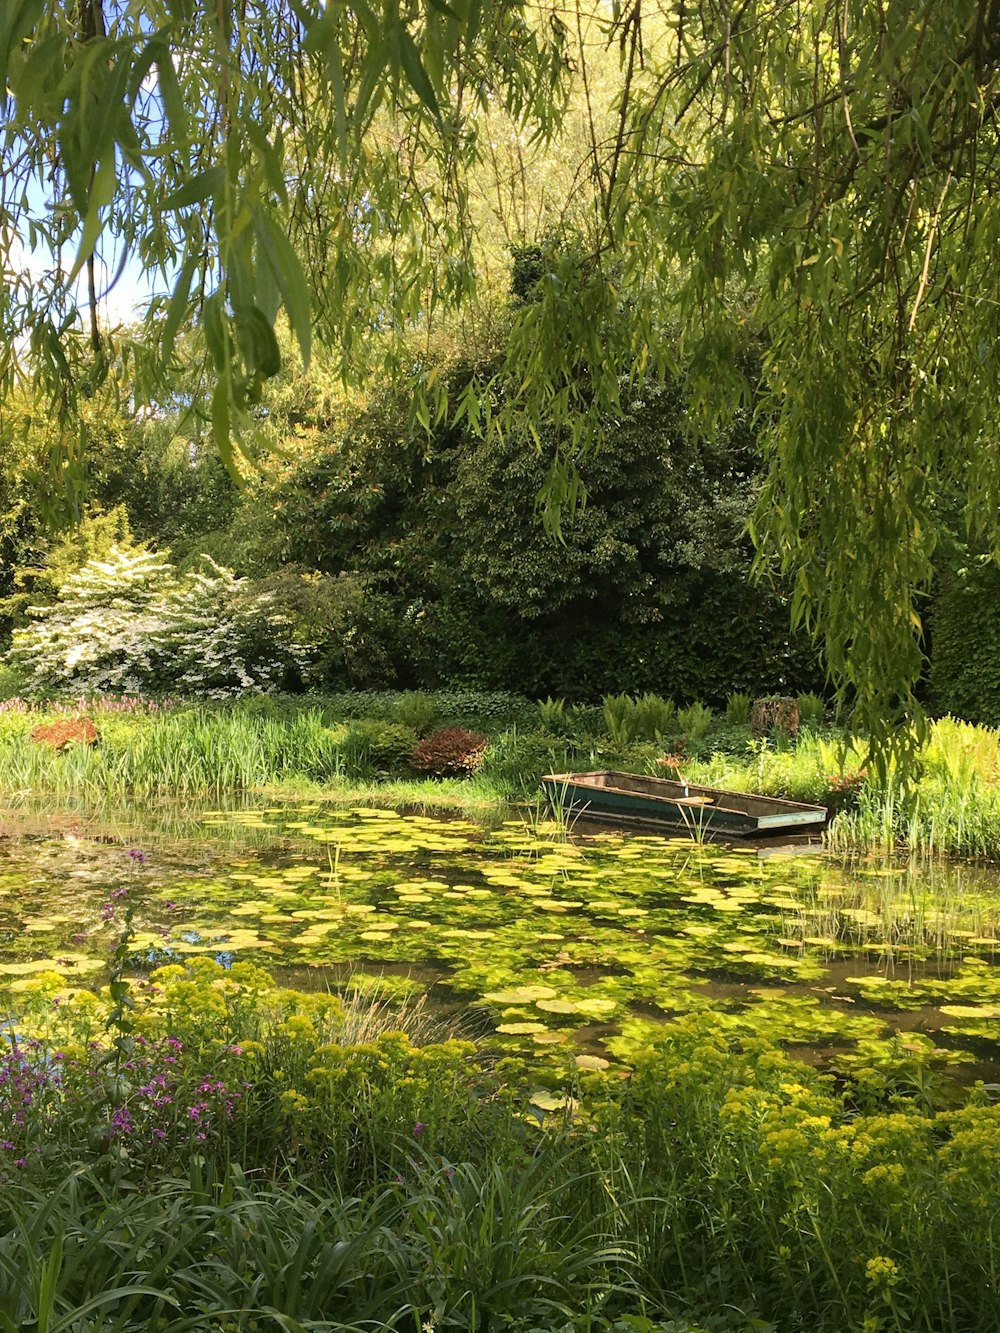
{"x": 600, "y": 940}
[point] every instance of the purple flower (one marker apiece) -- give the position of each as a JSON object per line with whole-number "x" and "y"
{"x": 137, "y": 856}
{"x": 122, "y": 1120}
{"x": 418, "y": 1129}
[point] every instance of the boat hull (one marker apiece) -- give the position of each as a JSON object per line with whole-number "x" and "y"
{"x": 662, "y": 803}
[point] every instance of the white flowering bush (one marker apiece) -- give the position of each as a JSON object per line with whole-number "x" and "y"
{"x": 223, "y": 637}
{"x": 104, "y": 632}
{"x": 130, "y": 622}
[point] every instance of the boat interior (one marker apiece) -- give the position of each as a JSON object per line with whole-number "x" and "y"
{"x": 681, "y": 793}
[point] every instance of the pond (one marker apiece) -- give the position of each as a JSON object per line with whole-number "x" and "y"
{"x": 575, "y": 950}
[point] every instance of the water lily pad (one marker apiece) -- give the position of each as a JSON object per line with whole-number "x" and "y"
{"x": 592, "y": 1062}
{"x": 557, "y": 1006}
{"x": 519, "y": 995}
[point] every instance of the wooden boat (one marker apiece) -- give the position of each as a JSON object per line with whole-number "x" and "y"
{"x": 663, "y": 803}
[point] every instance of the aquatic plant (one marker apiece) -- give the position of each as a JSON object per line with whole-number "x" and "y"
{"x": 553, "y": 941}
{"x": 263, "y": 743}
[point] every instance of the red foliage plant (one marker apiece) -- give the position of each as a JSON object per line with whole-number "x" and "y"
{"x": 453, "y": 752}
{"x": 69, "y": 731}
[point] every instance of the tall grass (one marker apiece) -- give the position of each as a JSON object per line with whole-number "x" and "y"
{"x": 462, "y": 1247}
{"x": 210, "y": 753}
{"x": 185, "y": 754}
{"x": 798, "y": 773}
{"x": 951, "y": 808}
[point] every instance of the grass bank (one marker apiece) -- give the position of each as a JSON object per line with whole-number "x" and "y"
{"x": 364, "y": 746}
{"x": 210, "y": 1151}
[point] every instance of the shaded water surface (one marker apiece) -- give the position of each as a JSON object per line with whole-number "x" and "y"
{"x": 592, "y": 943}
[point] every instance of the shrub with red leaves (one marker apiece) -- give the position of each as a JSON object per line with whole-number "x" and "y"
{"x": 61, "y": 735}
{"x": 453, "y": 752}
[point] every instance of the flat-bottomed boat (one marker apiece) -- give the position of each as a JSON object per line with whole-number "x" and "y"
{"x": 666, "y": 803}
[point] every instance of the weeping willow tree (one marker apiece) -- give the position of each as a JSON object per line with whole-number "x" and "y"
{"x": 257, "y": 157}
{"x": 815, "y": 181}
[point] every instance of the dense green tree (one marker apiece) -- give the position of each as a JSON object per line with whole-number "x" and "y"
{"x": 822, "y": 174}
{"x": 648, "y": 588}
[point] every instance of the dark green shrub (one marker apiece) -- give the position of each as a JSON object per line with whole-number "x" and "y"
{"x": 965, "y": 642}
{"x": 373, "y": 746}
{"x": 648, "y": 591}
{"x": 13, "y": 683}
{"x": 587, "y": 721}
{"x": 723, "y": 738}
{"x": 417, "y": 710}
{"x": 519, "y": 759}
{"x": 477, "y": 709}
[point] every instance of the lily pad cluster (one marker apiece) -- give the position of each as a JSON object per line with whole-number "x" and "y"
{"x": 577, "y": 950}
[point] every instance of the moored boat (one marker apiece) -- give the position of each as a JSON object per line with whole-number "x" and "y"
{"x": 663, "y": 802}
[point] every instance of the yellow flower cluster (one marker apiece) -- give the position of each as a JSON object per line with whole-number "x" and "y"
{"x": 881, "y": 1271}
{"x": 294, "y": 1102}
{"x": 885, "y": 1176}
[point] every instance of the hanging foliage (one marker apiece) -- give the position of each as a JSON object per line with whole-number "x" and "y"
{"x": 819, "y": 176}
